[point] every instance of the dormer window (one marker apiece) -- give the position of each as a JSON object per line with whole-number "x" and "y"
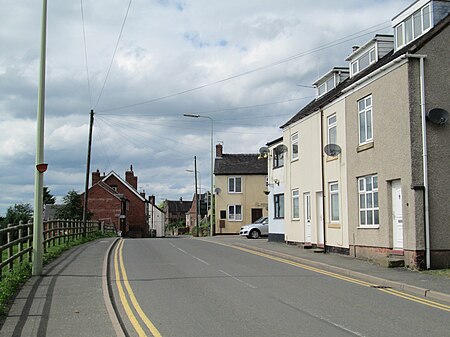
{"x": 330, "y": 80}
{"x": 326, "y": 86}
{"x": 413, "y": 26}
{"x": 363, "y": 61}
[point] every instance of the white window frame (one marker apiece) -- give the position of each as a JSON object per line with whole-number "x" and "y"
{"x": 294, "y": 143}
{"x": 278, "y": 158}
{"x": 372, "y": 56}
{"x": 331, "y": 126}
{"x": 234, "y": 216}
{"x": 402, "y": 26}
{"x": 333, "y": 190}
{"x": 234, "y": 179}
{"x": 368, "y": 205}
{"x": 295, "y": 204}
{"x": 368, "y": 121}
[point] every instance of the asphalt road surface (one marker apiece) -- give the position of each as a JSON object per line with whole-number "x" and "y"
{"x": 185, "y": 287}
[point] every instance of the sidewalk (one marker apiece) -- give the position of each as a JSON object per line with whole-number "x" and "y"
{"x": 67, "y": 300}
{"x": 430, "y": 286}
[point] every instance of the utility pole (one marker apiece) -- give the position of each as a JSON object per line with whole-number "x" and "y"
{"x": 37, "y": 253}
{"x": 196, "y": 196}
{"x": 88, "y": 169}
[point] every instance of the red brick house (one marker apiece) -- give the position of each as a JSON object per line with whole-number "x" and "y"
{"x": 117, "y": 201}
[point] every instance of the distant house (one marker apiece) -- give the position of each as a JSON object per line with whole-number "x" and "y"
{"x": 156, "y": 217}
{"x": 50, "y": 211}
{"x": 191, "y": 215}
{"x": 175, "y": 211}
{"x": 240, "y": 181}
{"x": 117, "y": 201}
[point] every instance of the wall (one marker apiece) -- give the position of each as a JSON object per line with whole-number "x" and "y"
{"x": 276, "y": 225}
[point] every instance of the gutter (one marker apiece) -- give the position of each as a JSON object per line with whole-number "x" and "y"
{"x": 424, "y": 155}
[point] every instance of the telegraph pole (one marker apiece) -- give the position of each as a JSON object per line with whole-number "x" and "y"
{"x": 38, "y": 226}
{"x": 196, "y": 196}
{"x": 88, "y": 169}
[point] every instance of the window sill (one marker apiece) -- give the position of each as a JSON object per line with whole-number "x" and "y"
{"x": 368, "y": 227}
{"x": 278, "y": 218}
{"x": 295, "y": 219}
{"x": 278, "y": 167}
{"x": 331, "y": 158}
{"x": 334, "y": 225}
{"x": 234, "y": 192}
{"x": 234, "y": 220}
{"x": 364, "y": 147}
{"x": 295, "y": 159}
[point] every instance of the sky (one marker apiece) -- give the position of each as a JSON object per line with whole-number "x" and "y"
{"x": 142, "y": 64}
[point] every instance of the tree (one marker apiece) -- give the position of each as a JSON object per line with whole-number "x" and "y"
{"x": 72, "y": 207}
{"x": 19, "y": 212}
{"x": 49, "y": 199}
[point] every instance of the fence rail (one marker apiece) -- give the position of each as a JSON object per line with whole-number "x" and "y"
{"x": 16, "y": 241}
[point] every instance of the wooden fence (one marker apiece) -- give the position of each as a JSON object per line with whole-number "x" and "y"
{"x": 16, "y": 241}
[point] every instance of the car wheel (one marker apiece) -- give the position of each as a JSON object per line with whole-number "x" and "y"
{"x": 254, "y": 234}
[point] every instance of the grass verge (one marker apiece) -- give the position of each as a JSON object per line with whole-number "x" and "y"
{"x": 12, "y": 280}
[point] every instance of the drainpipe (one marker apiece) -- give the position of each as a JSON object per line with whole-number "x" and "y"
{"x": 424, "y": 155}
{"x": 323, "y": 183}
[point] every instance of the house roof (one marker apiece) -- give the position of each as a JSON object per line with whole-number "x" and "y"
{"x": 245, "y": 164}
{"x": 275, "y": 141}
{"x": 178, "y": 206}
{"x": 125, "y": 183}
{"x": 330, "y": 96}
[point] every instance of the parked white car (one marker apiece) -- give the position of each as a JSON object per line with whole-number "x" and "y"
{"x": 259, "y": 228}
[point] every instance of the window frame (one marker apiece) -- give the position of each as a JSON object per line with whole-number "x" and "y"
{"x": 278, "y": 206}
{"x": 367, "y": 108}
{"x": 294, "y": 142}
{"x": 234, "y": 218}
{"x": 295, "y": 204}
{"x": 331, "y": 126}
{"x": 371, "y": 56}
{"x": 234, "y": 179}
{"x": 363, "y": 207}
{"x": 425, "y": 12}
{"x": 332, "y": 193}
{"x": 278, "y": 158}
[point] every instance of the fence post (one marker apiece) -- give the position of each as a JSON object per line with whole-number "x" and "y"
{"x": 30, "y": 240}
{"x": 20, "y": 240}
{"x": 44, "y": 227}
{"x": 10, "y": 238}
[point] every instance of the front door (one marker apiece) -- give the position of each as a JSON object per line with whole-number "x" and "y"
{"x": 307, "y": 212}
{"x": 256, "y": 214}
{"x": 319, "y": 203}
{"x": 397, "y": 214}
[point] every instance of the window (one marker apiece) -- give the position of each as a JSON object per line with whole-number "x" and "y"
{"x": 325, "y": 86}
{"x": 294, "y": 146}
{"x": 368, "y": 201}
{"x": 322, "y": 89}
{"x": 334, "y": 202}
{"x": 365, "y": 120}
{"x": 278, "y": 204}
{"x": 278, "y": 157}
{"x": 364, "y": 61}
{"x": 295, "y": 205}
{"x": 223, "y": 215}
{"x": 330, "y": 83}
{"x": 414, "y": 26}
{"x": 332, "y": 132}
{"x": 234, "y": 185}
{"x": 234, "y": 213}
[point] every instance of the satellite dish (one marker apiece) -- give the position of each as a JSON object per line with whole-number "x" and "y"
{"x": 332, "y": 150}
{"x": 264, "y": 150}
{"x": 217, "y": 190}
{"x": 281, "y": 148}
{"x": 438, "y": 116}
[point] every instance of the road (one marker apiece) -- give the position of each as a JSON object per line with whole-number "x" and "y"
{"x": 187, "y": 287}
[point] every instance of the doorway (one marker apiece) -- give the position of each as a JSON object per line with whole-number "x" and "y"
{"x": 307, "y": 213}
{"x": 256, "y": 214}
{"x": 397, "y": 214}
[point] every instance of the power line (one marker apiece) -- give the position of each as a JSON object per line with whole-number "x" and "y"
{"x": 334, "y": 43}
{"x": 114, "y": 53}
{"x": 86, "y": 54}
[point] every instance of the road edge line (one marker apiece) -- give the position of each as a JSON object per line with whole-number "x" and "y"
{"x": 107, "y": 295}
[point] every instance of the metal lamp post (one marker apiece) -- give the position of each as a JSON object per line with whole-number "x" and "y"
{"x": 211, "y": 228}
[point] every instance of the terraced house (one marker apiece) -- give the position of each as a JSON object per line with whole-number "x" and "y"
{"x": 366, "y": 167}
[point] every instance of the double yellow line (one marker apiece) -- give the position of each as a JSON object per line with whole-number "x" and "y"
{"x": 121, "y": 277}
{"x": 347, "y": 279}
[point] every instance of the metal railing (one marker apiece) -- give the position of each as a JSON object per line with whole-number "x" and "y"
{"x": 16, "y": 240}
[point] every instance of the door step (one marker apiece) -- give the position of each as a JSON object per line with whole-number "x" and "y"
{"x": 319, "y": 250}
{"x": 395, "y": 262}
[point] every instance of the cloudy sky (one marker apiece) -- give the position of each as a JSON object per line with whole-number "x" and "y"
{"x": 246, "y": 64}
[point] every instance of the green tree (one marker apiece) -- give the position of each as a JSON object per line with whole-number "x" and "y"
{"x": 49, "y": 199}
{"x": 72, "y": 207}
{"x": 18, "y": 212}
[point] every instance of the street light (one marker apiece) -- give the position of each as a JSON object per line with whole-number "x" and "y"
{"x": 211, "y": 226}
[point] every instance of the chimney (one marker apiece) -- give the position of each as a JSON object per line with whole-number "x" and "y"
{"x": 219, "y": 150}
{"x": 142, "y": 194}
{"x": 95, "y": 177}
{"x": 151, "y": 199}
{"x": 130, "y": 178}
{"x": 355, "y": 48}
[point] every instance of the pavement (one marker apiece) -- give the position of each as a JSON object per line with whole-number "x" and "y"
{"x": 72, "y": 296}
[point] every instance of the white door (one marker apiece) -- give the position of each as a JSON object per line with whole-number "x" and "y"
{"x": 319, "y": 203}
{"x": 397, "y": 215}
{"x": 307, "y": 212}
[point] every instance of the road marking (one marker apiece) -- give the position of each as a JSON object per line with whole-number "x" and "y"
{"x": 123, "y": 297}
{"x": 393, "y": 292}
{"x": 134, "y": 301}
{"x": 239, "y": 280}
{"x": 185, "y": 252}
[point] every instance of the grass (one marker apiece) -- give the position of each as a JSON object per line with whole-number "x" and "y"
{"x": 12, "y": 280}
{"x": 438, "y": 272}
